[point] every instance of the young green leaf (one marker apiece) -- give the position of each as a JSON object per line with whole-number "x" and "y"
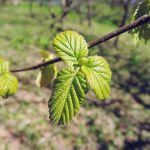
{"x": 8, "y": 85}
{"x": 98, "y": 75}
{"x": 8, "y": 82}
{"x": 70, "y": 46}
{"x": 69, "y": 92}
{"x": 47, "y": 73}
{"x": 142, "y": 32}
{"x": 45, "y": 54}
{"x": 4, "y": 66}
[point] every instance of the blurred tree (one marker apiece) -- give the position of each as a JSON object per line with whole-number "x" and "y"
{"x": 3, "y": 1}
{"x": 31, "y": 8}
{"x": 125, "y": 4}
{"x": 89, "y": 11}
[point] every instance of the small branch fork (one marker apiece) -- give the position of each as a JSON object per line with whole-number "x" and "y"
{"x": 141, "y": 21}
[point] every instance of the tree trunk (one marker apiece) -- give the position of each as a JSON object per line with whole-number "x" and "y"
{"x": 126, "y": 5}
{"x": 31, "y": 8}
{"x": 89, "y": 12}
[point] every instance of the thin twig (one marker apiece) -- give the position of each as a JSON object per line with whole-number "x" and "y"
{"x": 37, "y": 66}
{"x": 142, "y": 20}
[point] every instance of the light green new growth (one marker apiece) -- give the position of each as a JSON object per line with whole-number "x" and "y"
{"x": 72, "y": 83}
{"x": 8, "y": 82}
{"x": 98, "y": 75}
{"x": 48, "y": 73}
{"x": 70, "y": 46}
{"x": 8, "y": 85}
{"x": 69, "y": 92}
{"x": 4, "y": 66}
{"x": 142, "y": 32}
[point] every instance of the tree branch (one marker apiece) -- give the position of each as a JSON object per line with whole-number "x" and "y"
{"x": 142, "y": 20}
{"x": 37, "y": 66}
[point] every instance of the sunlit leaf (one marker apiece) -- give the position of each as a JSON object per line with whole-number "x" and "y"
{"x": 98, "y": 75}
{"x": 142, "y": 32}
{"x": 47, "y": 73}
{"x": 70, "y": 46}
{"x": 8, "y": 85}
{"x": 68, "y": 94}
{"x": 4, "y": 66}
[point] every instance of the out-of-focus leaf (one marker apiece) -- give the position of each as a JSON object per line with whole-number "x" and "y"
{"x": 8, "y": 85}
{"x": 98, "y": 75}
{"x": 70, "y": 46}
{"x": 4, "y": 66}
{"x": 45, "y": 54}
{"x": 47, "y": 73}
{"x": 68, "y": 94}
{"x": 142, "y": 32}
{"x": 8, "y": 82}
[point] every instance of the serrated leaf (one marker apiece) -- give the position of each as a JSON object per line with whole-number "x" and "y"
{"x": 48, "y": 73}
{"x": 68, "y": 94}
{"x": 98, "y": 75}
{"x": 8, "y": 85}
{"x": 70, "y": 46}
{"x": 141, "y": 32}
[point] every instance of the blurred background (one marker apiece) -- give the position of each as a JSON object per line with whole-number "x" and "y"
{"x": 122, "y": 122}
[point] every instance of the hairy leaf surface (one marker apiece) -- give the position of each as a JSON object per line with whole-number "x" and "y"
{"x": 98, "y": 74}
{"x": 8, "y": 85}
{"x": 70, "y": 46}
{"x": 142, "y": 32}
{"x": 67, "y": 96}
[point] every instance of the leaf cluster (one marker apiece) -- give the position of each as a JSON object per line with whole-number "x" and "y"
{"x": 72, "y": 83}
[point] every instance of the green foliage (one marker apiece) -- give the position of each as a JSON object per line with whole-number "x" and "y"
{"x": 70, "y": 86}
{"x": 8, "y": 82}
{"x": 70, "y": 46}
{"x": 43, "y": 42}
{"x": 142, "y": 32}
{"x": 98, "y": 75}
{"x": 69, "y": 92}
{"x": 47, "y": 73}
{"x": 8, "y": 85}
{"x": 4, "y": 65}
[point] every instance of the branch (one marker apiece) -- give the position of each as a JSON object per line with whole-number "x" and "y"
{"x": 141, "y": 21}
{"x": 52, "y": 61}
